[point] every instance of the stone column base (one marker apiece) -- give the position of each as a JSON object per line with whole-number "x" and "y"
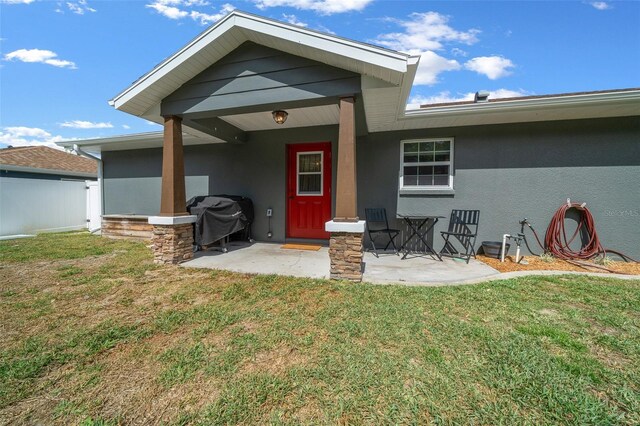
{"x": 172, "y": 239}
{"x": 345, "y": 250}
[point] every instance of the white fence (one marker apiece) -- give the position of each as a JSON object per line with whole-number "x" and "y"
{"x": 29, "y": 206}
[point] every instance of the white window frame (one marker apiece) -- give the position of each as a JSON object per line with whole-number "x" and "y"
{"x": 298, "y": 173}
{"x": 429, "y": 163}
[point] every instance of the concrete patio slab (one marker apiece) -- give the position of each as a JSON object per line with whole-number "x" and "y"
{"x": 270, "y": 258}
{"x": 265, "y": 258}
{"x": 423, "y": 270}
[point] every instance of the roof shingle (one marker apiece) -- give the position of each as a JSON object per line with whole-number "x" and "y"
{"x": 43, "y": 157}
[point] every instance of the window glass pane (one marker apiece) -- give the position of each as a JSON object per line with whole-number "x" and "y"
{"x": 426, "y": 170}
{"x": 441, "y": 180}
{"x": 411, "y": 158}
{"x": 441, "y": 170}
{"x": 425, "y": 180}
{"x": 426, "y": 146}
{"x": 442, "y": 156}
{"x": 442, "y": 146}
{"x": 426, "y": 157}
{"x": 309, "y": 184}
{"x": 410, "y": 170}
{"x": 310, "y": 163}
{"x": 410, "y": 180}
{"x": 437, "y": 153}
{"x": 411, "y": 147}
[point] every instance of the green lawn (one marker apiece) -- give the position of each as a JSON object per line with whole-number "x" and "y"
{"x": 93, "y": 333}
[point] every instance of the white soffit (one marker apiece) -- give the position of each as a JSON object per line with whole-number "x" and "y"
{"x": 298, "y": 117}
{"x": 238, "y": 27}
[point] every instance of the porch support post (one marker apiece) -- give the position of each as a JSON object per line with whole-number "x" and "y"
{"x": 173, "y": 228}
{"x": 172, "y": 200}
{"x": 346, "y": 210}
{"x": 345, "y": 245}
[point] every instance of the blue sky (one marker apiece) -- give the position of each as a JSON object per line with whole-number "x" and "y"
{"x": 60, "y": 61}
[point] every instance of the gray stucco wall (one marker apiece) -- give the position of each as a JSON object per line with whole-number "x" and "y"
{"x": 256, "y": 169}
{"x": 509, "y": 172}
{"x": 506, "y": 171}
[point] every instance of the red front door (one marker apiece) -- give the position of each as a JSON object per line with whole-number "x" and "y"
{"x": 308, "y": 190}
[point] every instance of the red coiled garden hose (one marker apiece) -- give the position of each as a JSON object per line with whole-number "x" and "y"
{"x": 557, "y": 243}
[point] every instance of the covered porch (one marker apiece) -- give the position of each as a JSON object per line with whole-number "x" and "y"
{"x": 244, "y": 82}
{"x": 271, "y": 258}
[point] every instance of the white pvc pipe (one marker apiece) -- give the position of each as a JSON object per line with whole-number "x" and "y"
{"x": 518, "y": 253}
{"x": 504, "y": 244}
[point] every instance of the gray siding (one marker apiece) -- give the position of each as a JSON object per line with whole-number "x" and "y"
{"x": 509, "y": 172}
{"x": 256, "y": 169}
{"x": 253, "y": 76}
{"x": 506, "y": 171}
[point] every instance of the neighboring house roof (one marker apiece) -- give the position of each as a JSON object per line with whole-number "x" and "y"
{"x": 387, "y": 75}
{"x": 42, "y": 159}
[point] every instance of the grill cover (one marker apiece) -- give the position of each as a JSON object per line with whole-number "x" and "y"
{"x": 219, "y": 216}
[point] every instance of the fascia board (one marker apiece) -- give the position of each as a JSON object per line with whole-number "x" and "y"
{"x": 384, "y": 58}
{"x": 137, "y": 141}
{"x": 173, "y": 61}
{"x": 529, "y": 104}
{"x": 407, "y": 84}
{"x": 113, "y": 139}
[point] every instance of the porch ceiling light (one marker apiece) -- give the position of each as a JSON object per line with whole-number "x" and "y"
{"x": 280, "y": 116}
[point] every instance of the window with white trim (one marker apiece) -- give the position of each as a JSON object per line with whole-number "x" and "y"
{"x": 426, "y": 164}
{"x": 309, "y": 170}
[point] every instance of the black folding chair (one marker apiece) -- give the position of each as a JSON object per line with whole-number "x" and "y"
{"x": 463, "y": 228}
{"x": 379, "y": 216}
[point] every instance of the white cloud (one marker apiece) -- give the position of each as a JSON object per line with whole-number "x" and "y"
{"x": 507, "y": 93}
{"x": 79, "y": 7}
{"x": 459, "y": 52}
{"x": 323, "y": 7}
{"x": 179, "y": 9}
{"x": 324, "y": 29}
{"x": 32, "y": 132}
{"x": 29, "y": 136}
{"x": 600, "y": 5}
{"x": 126, "y": 126}
{"x": 493, "y": 67}
{"x": 431, "y": 65}
{"x": 17, "y": 1}
{"x": 38, "y": 55}
{"x": 425, "y": 31}
{"x": 207, "y": 19}
{"x": 79, "y": 124}
{"x": 423, "y": 34}
{"x": 170, "y": 12}
{"x": 293, "y": 20}
{"x": 446, "y": 97}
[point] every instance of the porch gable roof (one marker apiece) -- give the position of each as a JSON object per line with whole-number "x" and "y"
{"x": 381, "y": 68}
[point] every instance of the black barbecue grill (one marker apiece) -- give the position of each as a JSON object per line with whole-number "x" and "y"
{"x": 220, "y": 218}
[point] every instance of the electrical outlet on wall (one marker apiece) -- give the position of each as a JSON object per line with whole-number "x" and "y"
{"x": 269, "y": 212}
